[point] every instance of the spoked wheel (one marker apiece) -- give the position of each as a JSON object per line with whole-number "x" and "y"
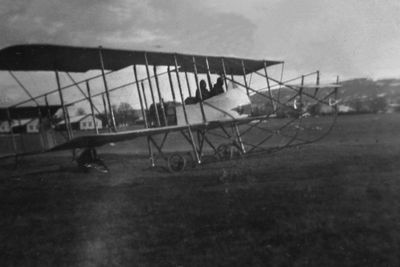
{"x": 176, "y": 163}
{"x": 88, "y": 159}
{"x": 100, "y": 166}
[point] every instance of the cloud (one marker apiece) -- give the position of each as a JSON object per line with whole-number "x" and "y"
{"x": 174, "y": 25}
{"x": 351, "y": 37}
{"x": 346, "y": 36}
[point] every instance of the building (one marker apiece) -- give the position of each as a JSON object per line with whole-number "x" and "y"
{"x": 26, "y": 125}
{"x": 32, "y": 126}
{"x": 83, "y": 122}
{"x": 25, "y": 119}
{"x": 21, "y": 126}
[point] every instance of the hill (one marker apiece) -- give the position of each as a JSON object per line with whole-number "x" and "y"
{"x": 362, "y": 94}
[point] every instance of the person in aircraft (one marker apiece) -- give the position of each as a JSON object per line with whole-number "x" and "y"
{"x": 218, "y": 87}
{"x": 204, "y": 91}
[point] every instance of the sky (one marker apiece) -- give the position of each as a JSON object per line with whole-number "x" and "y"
{"x": 349, "y": 38}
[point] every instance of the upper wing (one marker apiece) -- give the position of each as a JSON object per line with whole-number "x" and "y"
{"x": 38, "y": 57}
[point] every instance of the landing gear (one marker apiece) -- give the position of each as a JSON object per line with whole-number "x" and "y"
{"x": 228, "y": 152}
{"x": 176, "y": 163}
{"x": 88, "y": 159}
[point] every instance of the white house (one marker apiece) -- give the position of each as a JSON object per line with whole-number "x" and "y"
{"x": 25, "y": 125}
{"x": 20, "y": 126}
{"x": 83, "y": 122}
{"x": 32, "y": 126}
{"x": 86, "y": 123}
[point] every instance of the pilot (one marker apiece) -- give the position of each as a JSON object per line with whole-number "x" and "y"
{"x": 204, "y": 91}
{"x": 218, "y": 87}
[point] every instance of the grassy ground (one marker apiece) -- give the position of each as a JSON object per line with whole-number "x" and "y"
{"x": 333, "y": 203}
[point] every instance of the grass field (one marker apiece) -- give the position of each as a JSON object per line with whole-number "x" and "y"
{"x": 332, "y": 203}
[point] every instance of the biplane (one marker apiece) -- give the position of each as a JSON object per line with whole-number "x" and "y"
{"x": 215, "y": 124}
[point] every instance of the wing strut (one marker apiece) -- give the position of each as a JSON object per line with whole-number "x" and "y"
{"x": 151, "y": 90}
{"x": 65, "y": 110}
{"x": 144, "y": 114}
{"x": 140, "y": 98}
{"x": 196, "y": 77}
{"x": 14, "y": 143}
{"x": 245, "y": 80}
{"x": 224, "y": 71}
{"x": 208, "y": 74}
{"x": 171, "y": 84}
{"x": 188, "y": 84}
{"x": 91, "y": 106}
{"x": 106, "y": 88}
{"x": 269, "y": 87}
{"x": 160, "y": 99}
{"x": 317, "y": 83}
{"x": 184, "y": 112}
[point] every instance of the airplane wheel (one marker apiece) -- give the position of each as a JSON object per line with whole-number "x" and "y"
{"x": 99, "y": 165}
{"x": 223, "y": 152}
{"x": 88, "y": 159}
{"x": 176, "y": 163}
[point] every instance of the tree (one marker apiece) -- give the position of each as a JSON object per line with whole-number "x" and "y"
{"x": 125, "y": 114}
{"x": 124, "y": 108}
{"x": 80, "y": 111}
{"x": 378, "y": 104}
